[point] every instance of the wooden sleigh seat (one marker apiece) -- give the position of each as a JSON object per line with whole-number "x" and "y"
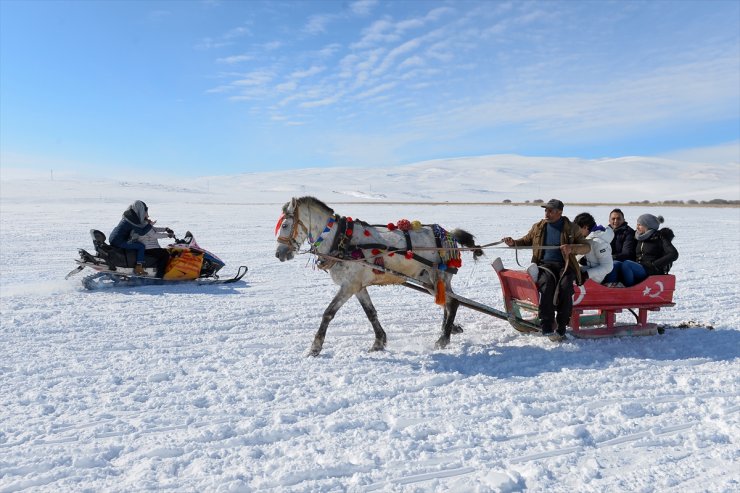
{"x": 595, "y": 306}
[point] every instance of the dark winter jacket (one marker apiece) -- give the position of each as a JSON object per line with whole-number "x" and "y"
{"x": 571, "y": 235}
{"x": 130, "y": 223}
{"x": 657, "y": 253}
{"x": 624, "y": 243}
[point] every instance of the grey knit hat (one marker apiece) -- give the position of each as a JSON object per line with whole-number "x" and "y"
{"x": 650, "y": 221}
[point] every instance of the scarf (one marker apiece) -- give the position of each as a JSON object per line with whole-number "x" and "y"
{"x": 646, "y": 235}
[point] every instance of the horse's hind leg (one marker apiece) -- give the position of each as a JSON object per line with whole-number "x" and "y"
{"x": 372, "y": 315}
{"x": 339, "y": 299}
{"x": 448, "y": 324}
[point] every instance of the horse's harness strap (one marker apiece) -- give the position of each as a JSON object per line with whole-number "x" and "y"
{"x": 339, "y": 237}
{"x": 407, "y": 237}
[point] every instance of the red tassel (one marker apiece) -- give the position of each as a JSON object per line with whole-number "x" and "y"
{"x": 441, "y": 296}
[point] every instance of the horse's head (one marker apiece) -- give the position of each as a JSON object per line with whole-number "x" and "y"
{"x": 302, "y": 218}
{"x": 288, "y": 230}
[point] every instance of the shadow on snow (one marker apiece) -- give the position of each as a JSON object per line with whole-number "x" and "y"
{"x": 530, "y": 361}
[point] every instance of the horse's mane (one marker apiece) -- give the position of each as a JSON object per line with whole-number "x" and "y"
{"x": 310, "y": 201}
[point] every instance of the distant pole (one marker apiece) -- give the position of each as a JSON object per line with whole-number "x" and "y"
{"x": 52, "y": 175}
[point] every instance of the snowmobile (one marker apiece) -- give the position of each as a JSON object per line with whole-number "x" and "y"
{"x": 181, "y": 262}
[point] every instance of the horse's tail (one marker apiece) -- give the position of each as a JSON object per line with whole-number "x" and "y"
{"x": 467, "y": 240}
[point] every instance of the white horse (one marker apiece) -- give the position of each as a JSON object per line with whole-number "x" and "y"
{"x": 358, "y": 255}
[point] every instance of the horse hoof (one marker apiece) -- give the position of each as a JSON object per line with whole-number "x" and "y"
{"x": 377, "y": 347}
{"x": 442, "y": 343}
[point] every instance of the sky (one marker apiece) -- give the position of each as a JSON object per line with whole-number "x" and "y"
{"x": 200, "y": 88}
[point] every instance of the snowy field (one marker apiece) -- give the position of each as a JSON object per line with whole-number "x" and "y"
{"x": 209, "y": 389}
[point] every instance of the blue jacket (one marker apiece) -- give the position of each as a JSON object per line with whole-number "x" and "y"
{"x": 128, "y": 224}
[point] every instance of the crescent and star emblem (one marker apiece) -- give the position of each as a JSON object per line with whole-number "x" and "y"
{"x": 654, "y": 294}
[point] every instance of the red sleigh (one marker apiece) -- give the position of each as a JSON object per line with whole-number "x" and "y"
{"x": 595, "y": 307}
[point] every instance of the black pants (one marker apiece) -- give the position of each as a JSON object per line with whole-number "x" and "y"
{"x": 556, "y": 293}
{"x": 161, "y": 256}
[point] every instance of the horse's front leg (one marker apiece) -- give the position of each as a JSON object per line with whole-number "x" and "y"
{"x": 448, "y": 324}
{"x": 345, "y": 293}
{"x": 364, "y": 298}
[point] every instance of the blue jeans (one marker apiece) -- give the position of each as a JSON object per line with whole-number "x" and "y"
{"x": 632, "y": 273}
{"x": 133, "y": 245}
{"x": 613, "y": 276}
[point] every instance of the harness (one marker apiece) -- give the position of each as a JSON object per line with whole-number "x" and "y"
{"x": 343, "y": 249}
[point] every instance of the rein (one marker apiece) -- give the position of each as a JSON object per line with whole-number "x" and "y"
{"x": 341, "y": 240}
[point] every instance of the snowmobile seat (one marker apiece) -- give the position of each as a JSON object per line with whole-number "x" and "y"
{"x": 120, "y": 257}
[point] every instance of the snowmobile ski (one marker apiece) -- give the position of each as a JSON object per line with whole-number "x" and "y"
{"x": 105, "y": 280}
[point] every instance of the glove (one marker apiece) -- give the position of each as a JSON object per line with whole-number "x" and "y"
{"x": 169, "y": 232}
{"x": 584, "y": 276}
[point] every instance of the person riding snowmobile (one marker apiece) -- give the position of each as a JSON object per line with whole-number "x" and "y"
{"x": 135, "y": 221}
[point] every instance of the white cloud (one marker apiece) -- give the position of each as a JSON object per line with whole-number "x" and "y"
{"x": 316, "y": 24}
{"x": 220, "y": 89}
{"x": 237, "y": 32}
{"x": 286, "y": 86}
{"x": 362, "y": 7}
{"x": 396, "y": 52}
{"x": 235, "y": 59}
{"x": 412, "y": 61}
{"x": 256, "y": 78}
{"x": 377, "y": 90}
{"x": 210, "y": 43}
{"x": 273, "y": 45}
{"x": 329, "y": 50}
{"x": 321, "y": 102}
{"x": 380, "y": 31}
{"x": 301, "y": 74}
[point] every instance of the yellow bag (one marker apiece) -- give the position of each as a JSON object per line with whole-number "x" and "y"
{"x": 183, "y": 264}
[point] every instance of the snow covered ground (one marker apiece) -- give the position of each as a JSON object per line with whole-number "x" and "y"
{"x": 209, "y": 389}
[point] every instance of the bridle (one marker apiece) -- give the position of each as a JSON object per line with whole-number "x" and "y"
{"x": 290, "y": 239}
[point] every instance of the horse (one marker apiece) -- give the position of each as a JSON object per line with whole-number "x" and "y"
{"x": 357, "y": 255}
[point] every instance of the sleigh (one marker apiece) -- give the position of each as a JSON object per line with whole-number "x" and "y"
{"x": 595, "y": 307}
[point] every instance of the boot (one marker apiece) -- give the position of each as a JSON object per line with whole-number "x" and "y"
{"x": 139, "y": 270}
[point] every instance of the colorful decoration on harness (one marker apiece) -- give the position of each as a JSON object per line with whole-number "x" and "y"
{"x": 449, "y": 251}
{"x": 327, "y": 228}
{"x": 279, "y": 223}
{"x": 403, "y": 224}
{"x": 440, "y": 296}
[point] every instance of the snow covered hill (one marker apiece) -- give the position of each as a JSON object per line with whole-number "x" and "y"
{"x": 490, "y": 179}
